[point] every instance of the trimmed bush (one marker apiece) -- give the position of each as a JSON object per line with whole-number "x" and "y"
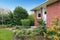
{"x": 25, "y": 23}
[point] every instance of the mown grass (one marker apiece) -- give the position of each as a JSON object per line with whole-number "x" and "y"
{"x": 5, "y": 34}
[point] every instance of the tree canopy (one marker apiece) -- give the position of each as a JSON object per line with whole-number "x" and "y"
{"x": 14, "y": 17}
{"x": 19, "y": 13}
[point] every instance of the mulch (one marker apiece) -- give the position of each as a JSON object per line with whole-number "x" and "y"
{"x": 14, "y": 37}
{"x": 37, "y": 38}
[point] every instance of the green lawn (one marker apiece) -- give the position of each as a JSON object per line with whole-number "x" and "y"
{"x": 5, "y": 34}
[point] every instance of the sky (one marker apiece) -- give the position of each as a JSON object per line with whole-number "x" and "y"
{"x": 26, "y": 4}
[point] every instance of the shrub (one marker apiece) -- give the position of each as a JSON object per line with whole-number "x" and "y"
{"x": 25, "y": 23}
{"x": 20, "y": 27}
{"x": 41, "y": 22}
{"x": 20, "y": 34}
{"x": 31, "y": 18}
{"x": 17, "y": 27}
{"x": 53, "y": 32}
{"x": 55, "y": 21}
{"x": 9, "y": 25}
{"x": 28, "y": 33}
{"x": 31, "y": 22}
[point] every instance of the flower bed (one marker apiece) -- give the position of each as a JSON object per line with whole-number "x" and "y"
{"x": 33, "y": 34}
{"x": 39, "y": 33}
{"x": 53, "y": 32}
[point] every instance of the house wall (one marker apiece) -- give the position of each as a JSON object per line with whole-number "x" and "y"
{"x": 36, "y": 18}
{"x": 53, "y": 10}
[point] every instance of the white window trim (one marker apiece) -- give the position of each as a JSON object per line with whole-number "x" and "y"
{"x": 43, "y": 12}
{"x": 38, "y": 12}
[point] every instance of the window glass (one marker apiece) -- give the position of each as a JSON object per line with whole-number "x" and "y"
{"x": 39, "y": 15}
{"x": 45, "y": 12}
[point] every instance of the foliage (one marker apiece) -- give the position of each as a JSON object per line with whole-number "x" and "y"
{"x": 31, "y": 22}
{"x": 41, "y": 22}
{"x": 7, "y": 18}
{"x": 55, "y": 21}
{"x": 25, "y": 23}
{"x": 13, "y": 17}
{"x": 40, "y": 30}
{"x": 31, "y": 17}
{"x": 19, "y": 13}
{"x": 1, "y": 14}
{"x": 9, "y": 25}
{"x": 30, "y": 33}
{"x": 20, "y": 34}
{"x": 53, "y": 32}
{"x": 19, "y": 27}
{"x": 10, "y": 18}
{"x": 3, "y": 18}
{"x": 0, "y": 18}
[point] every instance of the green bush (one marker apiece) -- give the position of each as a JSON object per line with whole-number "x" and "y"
{"x": 20, "y": 34}
{"x": 41, "y": 22}
{"x": 53, "y": 32}
{"x": 31, "y": 17}
{"x": 22, "y": 27}
{"x": 17, "y": 27}
{"x": 28, "y": 33}
{"x": 9, "y": 25}
{"x": 24, "y": 33}
{"x": 31, "y": 22}
{"x": 56, "y": 21}
{"x": 40, "y": 30}
{"x": 25, "y": 23}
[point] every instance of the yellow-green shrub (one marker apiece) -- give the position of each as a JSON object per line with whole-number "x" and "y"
{"x": 53, "y": 32}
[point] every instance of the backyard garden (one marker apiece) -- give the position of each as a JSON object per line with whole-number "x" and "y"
{"x": 16, "y": 25}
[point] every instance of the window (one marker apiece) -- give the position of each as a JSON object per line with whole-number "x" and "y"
{"x": 45, "y": 12}
{"x": 39, "y": 15}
